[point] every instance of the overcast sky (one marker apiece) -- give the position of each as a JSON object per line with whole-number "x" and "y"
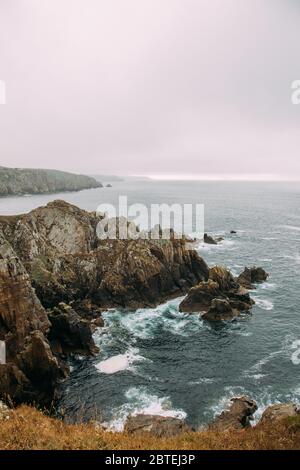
{"x": 187, "y": 87}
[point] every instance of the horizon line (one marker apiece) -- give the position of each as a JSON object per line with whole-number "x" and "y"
{"x": 218, "y": 177}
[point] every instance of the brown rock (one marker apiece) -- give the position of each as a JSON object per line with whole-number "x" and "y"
{"x": 73, "y": 333}
{"x": 159, "y": 426}
{"x": 252, "y": 276}
{"x": 220, "y": 310}
{"x": 237, "y": 416}
{"x": 279, "y": 411}
{"x": 220, "y": 298}
{"x": 67, "y": 262}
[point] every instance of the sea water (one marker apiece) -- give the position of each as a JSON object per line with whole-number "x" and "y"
{"x": 161, "y": 361}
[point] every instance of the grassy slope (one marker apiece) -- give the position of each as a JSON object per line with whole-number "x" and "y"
{"x": 28, "y": 428}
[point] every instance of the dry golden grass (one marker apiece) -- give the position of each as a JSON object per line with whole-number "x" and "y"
{"x": 28, "y": 428}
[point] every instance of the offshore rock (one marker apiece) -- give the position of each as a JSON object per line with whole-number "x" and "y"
{"x": 252, "y": 276}
{"x": 238, "y": 415}
{"x": 219, "y": 298}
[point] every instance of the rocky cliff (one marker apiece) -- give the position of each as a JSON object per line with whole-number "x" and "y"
{"x": 52, "y": 259}
{"x": 31, "y": 181}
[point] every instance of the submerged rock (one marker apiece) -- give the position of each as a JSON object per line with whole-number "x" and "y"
{"x": 278, "y": 412}
{"x": 252, "y": 276}
{"x": 238, "y": 415}
{"x": 159, "y": 426}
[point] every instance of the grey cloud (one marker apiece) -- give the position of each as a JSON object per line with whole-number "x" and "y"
{"x": 160, "y": 86}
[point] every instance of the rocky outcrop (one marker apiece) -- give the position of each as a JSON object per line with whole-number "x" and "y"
{"x": 31, "y": 181}
{"x": 219, "y": 298}
{"x": 238, "y": 415}
{"x": 69, "y": 332}
{"x": 30, "y": 369}
{"x": 251, "y": 276}
{"x": 210, "y": 240}
{"x": 158, "y": 426}
{"x": 66, "y": 261}
{"x": 278, "y": 412}
{"x": 52, "y": 258}
{"x": 220, "y": 310}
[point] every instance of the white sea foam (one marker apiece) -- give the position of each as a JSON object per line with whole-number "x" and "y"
{"x": 266, "y": 286}
{"x": 291, "y": 227}
{"x": 264, "y": 304}
{"x": 140, "y": 401}
{"x": 221, "y": 246}
{"x": 202, "y": 380}
{"x": 269, "y": 238}
{"x": 119, "y": 362}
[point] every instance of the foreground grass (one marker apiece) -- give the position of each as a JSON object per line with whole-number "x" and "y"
{"x": 28, "y": 428}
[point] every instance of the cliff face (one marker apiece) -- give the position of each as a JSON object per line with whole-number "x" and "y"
{"x": 66, "y": 261}
{"x": 31, "y": 181}
{"x": 23, "y": 326}
{"x": 52, "y": 255}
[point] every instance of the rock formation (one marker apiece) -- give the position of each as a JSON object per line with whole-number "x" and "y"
{"x": 23, "y": 327}
{"x": 31, "y": 181}
{"x": 252, "y": 276}
{"x": 52, "y": 259}
{"x": 238, "y": 415}
{"x": 218, "y": 298}
{"x": 66, "y": 261}
{"x": 69, "y": 332}
{"x": 279, "y": 411}
{"x": 159, "y": 426}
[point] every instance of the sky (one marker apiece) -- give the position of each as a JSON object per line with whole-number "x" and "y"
{"x": 196, "y": 88}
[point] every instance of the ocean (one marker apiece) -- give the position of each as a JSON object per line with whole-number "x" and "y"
{"x": 160, "y": 361}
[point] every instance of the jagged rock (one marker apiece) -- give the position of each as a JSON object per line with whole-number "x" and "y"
{"x": 40, "y": 366}
{"x": 219, "y": 298}
{"x": 252, "y": 276}
{"x": 30, "y": 368}
{"x": 209, "y": 239}
{"x": 238, "y": 415}
{"x": 14, "y": 385}
{"x": 278, "y": 412}
{"x": 67, "y": 262}
{"x": 200, "y": 297}
{"x": 73, "y": 333}
{"x": 220, "y": 310}
{"x": 54, "y": 254}
{"x": 159, "y": 426}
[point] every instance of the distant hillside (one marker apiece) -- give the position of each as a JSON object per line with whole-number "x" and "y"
{"x": 36, "y": 181}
